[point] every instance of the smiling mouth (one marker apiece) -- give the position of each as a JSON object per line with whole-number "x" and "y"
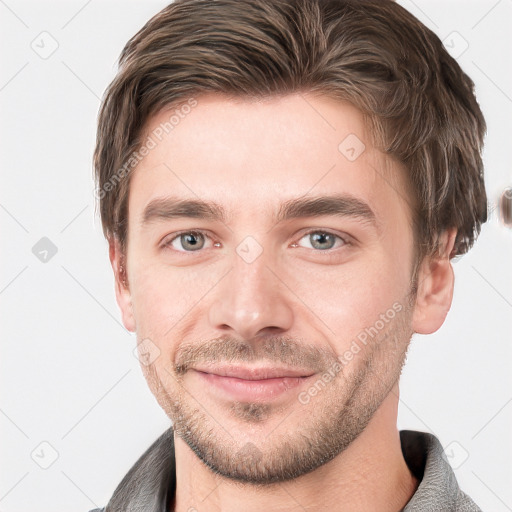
{"x": 249, "y": 384}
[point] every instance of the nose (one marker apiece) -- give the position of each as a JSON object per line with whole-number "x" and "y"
{"x": 251, "y": 300}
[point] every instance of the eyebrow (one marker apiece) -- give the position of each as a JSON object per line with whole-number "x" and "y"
{"x": 165, "y": 208}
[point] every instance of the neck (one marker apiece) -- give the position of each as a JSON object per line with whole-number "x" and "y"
{"x": 371, "y": 474}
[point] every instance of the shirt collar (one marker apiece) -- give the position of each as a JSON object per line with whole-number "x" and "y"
{"x": 150, "y": 484}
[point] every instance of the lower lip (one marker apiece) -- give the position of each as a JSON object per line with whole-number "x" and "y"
{"x": 248, "y": 390}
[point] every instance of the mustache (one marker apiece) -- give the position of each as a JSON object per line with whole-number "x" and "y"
{"x": 275, "y": 349}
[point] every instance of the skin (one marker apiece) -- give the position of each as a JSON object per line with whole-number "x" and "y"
{"x": 197, "y": 307}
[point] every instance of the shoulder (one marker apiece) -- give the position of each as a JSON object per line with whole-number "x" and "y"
{"x": 438, "y": 488}
{"x": 150, "y": 482}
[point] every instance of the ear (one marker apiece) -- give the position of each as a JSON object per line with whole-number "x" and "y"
{"x": 123, "y": 295}
{"x": 435, "y": 287}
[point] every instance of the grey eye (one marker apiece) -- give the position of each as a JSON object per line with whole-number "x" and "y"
{"x": 322, "y": 240}
{"x": 190, "y": 242}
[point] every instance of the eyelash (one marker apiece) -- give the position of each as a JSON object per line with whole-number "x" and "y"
{"x": 345, "y": 240}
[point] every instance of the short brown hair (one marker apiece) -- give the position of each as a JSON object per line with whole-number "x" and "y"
{"x": 372, "y": 53}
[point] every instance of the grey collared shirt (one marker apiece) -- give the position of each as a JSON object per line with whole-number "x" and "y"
{"x": 150, "y": 484}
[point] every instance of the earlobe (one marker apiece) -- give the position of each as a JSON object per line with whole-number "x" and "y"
{"x": 435, "y": 288}
{"x": 123, "y": 295}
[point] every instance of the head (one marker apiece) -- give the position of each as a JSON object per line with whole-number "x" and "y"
{"x": 283, "y": 185}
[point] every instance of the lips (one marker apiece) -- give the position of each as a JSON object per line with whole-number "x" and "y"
{"x": 251, "y": 383}
{"x": 254, "y": 373}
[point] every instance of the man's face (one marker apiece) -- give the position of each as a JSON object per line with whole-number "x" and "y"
{"x": 274, "y": 333}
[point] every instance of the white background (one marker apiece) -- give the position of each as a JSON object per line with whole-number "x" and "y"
{"x": 68, "y": 373}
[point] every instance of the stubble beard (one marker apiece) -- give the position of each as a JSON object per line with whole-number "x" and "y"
{"x": 315, "y": 433}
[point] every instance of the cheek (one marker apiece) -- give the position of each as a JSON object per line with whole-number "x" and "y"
{"x": 165, "y": 299}
{"x": 157, "y": 298}
{"x": 349, "y": 298}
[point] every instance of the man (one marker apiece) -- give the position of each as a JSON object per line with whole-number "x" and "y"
{"x": 283, "y": 184}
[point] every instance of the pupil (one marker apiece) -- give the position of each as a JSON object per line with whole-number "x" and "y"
{"x": 322, "y": 238}
{"x": 190, "y": 239}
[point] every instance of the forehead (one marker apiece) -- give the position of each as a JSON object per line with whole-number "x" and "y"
{"x": 253, "y": 156}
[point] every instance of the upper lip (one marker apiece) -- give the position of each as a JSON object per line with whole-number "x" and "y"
{"x": 253, "y": 373}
